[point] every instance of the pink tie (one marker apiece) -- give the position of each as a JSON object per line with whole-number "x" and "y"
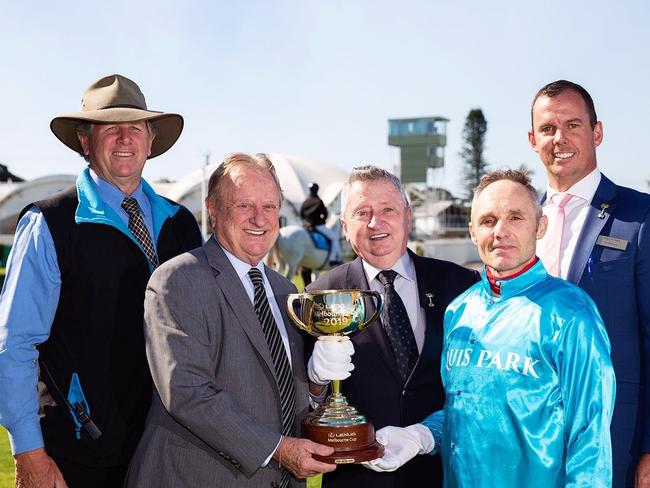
{"x": 555, "y": 231}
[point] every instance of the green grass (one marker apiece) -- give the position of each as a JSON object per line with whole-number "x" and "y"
{"x": 315, "y": 481}
{"x": 6, "y": 461}
{"x": 297, "y": 281}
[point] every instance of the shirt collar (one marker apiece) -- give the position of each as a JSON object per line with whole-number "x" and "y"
{"x": 112, "y": 195}
{"x": 585, "y": 188}
{"x": 518, "y": 284}
{"x": 241, "y": 267}
{"x": 403, "y": 266}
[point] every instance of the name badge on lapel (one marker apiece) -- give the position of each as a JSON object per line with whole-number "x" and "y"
{"x": 613, "y": 242}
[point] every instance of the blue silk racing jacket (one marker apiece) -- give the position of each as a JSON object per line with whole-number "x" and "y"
{"x": 529, "y": 387}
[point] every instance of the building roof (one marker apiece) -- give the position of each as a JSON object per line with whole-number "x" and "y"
{"x": 8, "y": 176}
{"x": 15, "y": 196}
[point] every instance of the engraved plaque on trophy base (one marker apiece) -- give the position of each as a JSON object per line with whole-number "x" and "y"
{"x": 339, "y": 425}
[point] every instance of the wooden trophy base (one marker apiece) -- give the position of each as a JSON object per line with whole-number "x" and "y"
{"x": 354, "y": 443}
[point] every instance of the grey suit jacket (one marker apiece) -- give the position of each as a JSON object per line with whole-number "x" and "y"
{"x": 215, "y": 415}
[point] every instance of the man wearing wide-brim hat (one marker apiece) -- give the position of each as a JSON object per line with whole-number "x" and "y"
{"x": 71, "y": 310}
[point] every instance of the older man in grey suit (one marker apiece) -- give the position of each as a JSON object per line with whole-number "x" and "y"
{"x": 231, "y": 386}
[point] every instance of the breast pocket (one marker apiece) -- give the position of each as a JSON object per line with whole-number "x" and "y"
{"x": 614, "y": 265}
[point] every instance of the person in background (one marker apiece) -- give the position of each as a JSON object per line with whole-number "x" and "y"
{"x": 72, "y": 304}
{"x": 314, "y": 213}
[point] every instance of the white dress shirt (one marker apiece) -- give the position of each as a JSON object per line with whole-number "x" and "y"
{"x": 242, "y": 268}
{"x": 575, "y": 214}
{"x": 406, "y": 286}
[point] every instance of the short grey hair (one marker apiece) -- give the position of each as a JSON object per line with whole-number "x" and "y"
{"x": 511, "y": 175}
{"x": 371, "y": 173}
{"x": 86, "y": 128}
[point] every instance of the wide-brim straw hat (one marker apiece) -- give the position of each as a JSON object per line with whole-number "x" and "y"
{"x": 116, "y": 99}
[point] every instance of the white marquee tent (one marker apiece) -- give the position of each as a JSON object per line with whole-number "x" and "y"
{"x": 295, "y": 175}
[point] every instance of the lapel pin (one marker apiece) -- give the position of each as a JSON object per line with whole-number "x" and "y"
{"x": 603, "y": 207}
{"x": 430, "y": 298}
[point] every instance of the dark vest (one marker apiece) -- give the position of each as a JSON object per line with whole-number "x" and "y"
{"x": 313, "y": 210}
{"x": 97, "y": 330}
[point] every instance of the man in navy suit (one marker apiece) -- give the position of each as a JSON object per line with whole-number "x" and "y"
{"x": 599, "y": 238}
{"x": 376, "y": 218}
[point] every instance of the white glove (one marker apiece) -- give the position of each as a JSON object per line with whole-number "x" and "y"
{"x": 330, "y": 360}
{"x": 401, "y": 444}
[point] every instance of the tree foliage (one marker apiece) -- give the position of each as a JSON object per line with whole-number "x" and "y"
{"x": 526, "y": 170}
{"x": 475, "y": 165}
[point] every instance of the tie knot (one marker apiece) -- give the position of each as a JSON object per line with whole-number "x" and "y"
{"x": 131, "y": 206}
{"x": 561, "y": 199}
{"x": 387, "y": 276}
{"x": 255, "y": 276}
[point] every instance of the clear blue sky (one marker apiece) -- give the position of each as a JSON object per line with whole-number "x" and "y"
{"x": 320, "y": 78}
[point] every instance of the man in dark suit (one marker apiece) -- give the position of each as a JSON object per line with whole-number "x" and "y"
{"x": 231, "y": 386}
{"x": 376, "y": 217}
{"x": 598, "y": 238}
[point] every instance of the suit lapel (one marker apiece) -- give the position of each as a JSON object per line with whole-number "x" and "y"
{"x": 605, "y": 196}
{"x": 292, "y": 331}
{"x": 356, "y": 279}
{"x": 427, "y": 297}
{"x": 236, "y": 296}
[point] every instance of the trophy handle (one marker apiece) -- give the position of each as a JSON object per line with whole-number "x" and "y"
{"x": 292, "y": 297}
{"x": 378, "y": 308}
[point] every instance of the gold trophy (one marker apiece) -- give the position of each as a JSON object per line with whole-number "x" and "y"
{"x": 335, "y": 314}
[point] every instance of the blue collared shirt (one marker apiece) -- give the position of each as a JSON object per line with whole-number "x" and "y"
{"x": 29, "y": 300}
{"x": 113, "y": 196}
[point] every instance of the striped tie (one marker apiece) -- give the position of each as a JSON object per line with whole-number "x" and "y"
{"x": 138, "y": 229}
{"x": 280, "y": 361}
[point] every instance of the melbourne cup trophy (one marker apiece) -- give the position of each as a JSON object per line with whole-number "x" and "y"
{"x": 332, "y": 315}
